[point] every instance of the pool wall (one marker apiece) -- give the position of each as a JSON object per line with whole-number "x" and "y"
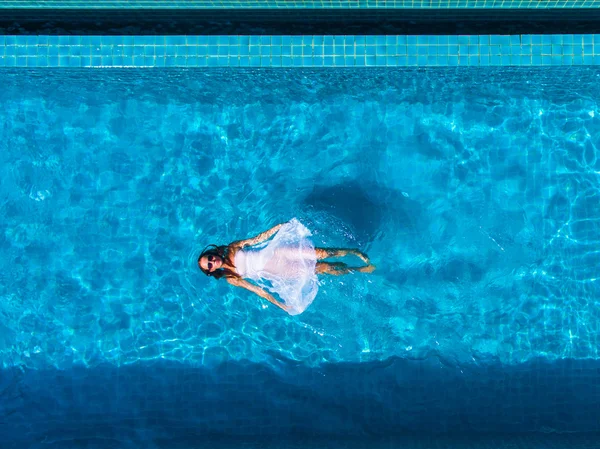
{"x": 298, "y": 51}
{"x": 302, "y": 4}
{"x": 361, "y": 33}
{"x": 164, "y": 400}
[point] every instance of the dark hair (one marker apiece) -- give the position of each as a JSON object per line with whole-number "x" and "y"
{"x": 223, "y": 252}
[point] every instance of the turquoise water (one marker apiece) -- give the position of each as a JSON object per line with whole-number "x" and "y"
{"x": 475, "y": 192}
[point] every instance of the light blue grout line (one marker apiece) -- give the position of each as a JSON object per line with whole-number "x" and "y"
{"x": 299, "y": 51}
{"x": 301, "y": 4}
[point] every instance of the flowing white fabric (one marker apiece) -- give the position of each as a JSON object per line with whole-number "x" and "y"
{"x": 284, "y": 265}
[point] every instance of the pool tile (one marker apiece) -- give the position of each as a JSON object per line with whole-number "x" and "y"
{"x": 297, "y": 51}
{"x": 290, "y": 5}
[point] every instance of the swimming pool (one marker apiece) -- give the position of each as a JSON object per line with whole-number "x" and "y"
{"x": 474, "y": 191}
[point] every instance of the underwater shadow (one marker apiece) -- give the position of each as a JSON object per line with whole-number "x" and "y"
{"x": 367, "y": 208}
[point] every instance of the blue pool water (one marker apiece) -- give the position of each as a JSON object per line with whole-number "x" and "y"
{"x": 475, "y": 192}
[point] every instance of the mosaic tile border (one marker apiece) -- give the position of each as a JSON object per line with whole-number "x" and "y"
{"x": 299, "y": 51}
{"x": 301, "y": 4}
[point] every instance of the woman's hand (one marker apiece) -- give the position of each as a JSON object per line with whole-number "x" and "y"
{"x": 285, "y": 307}
{"x": 279, "y": 304}
{"x": 239, "y": 282}
{"x": 258, "y": 239}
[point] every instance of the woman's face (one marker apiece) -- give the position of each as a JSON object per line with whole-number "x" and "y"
{"x": 210, "y": 263}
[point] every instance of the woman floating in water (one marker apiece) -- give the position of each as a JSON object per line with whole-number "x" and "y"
{"x": 286, "y": 265}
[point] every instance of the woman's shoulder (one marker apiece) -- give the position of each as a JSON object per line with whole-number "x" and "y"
{"x": 233, "y": 251}
{"x": 233, "y": 248}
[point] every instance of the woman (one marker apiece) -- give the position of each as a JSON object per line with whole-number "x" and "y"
{"x": 287, "y": 265}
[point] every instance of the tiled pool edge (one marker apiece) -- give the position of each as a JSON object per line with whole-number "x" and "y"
{"x": 298, "y": 51}
{"x": 301, "y": 4}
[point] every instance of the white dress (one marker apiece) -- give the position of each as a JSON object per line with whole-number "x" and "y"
{"x": 284, "y": 265}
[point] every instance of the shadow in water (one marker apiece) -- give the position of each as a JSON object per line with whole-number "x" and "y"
{"x": 155, "y": 401}
{"x": 367, "y": 208}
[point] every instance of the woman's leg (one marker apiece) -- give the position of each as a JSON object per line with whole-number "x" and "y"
{"x": 295, "y": 253}
{"x": 325, "y": 253}
{"x": 339, "y": 268}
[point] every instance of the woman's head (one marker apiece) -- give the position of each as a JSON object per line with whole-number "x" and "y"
{"x": 211, "y": 261}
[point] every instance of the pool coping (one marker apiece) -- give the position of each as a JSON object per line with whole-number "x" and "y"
{"x": 300, "y": 4}
{"x": 298, "y": 51}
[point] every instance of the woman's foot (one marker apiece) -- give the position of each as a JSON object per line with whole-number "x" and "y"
{"x": 368, "y": 269}
{"x": 362, "y": 256}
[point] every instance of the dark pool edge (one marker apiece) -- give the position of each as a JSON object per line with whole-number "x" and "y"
{"x": 492, "y": 441}
{"x": 241, "y": 399}
{"x": 299, "y": 5}
{"x": 305, "y": 21}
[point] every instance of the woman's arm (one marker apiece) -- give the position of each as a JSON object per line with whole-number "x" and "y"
{"x": 256, "y": 289}
{"x": 259, "y": 238}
